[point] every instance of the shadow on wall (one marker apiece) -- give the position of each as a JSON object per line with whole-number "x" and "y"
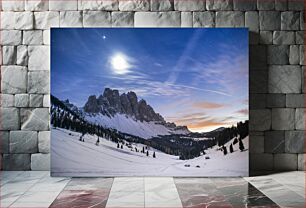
{"x": 276, "y": 126}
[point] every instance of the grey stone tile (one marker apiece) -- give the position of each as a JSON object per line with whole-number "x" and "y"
{"x": 283, "y": 118}
{"x": 274, "y": 141}
{"x": 294, "y": 141}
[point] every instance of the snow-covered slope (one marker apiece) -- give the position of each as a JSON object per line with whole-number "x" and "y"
{"x": 127, "y": 124}
{"x": 70, "y": 157}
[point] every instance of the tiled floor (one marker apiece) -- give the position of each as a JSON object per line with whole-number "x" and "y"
{"x": 38, "y": 189}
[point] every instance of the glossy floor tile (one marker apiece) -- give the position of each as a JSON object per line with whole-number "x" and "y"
{"x": 38, "y": 190}
{"x": 84, "y": 192}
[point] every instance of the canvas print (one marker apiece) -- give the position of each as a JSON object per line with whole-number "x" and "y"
{"x": 149, "y": 102}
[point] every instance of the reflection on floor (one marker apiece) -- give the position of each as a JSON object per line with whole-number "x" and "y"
{"x": 38, "y": 189}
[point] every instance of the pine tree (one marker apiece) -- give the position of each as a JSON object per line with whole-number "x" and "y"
{"x": 224, "y": 150}
{"x": 231, "y": 148}
{"x": 241, "y": 146}
{"x": 154, "y": 156}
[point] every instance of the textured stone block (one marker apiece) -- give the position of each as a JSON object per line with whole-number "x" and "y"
{"x": 256, "y": 133}
{"x": 285, "y": 162}
{"x": 9, "y": 55}
{"x": 134, "y": 5}
{"x": 157, "y": 19}
{"x": 162, "y": 5}
{"x": 4, "y": 141}
{"x": 13, "y": 5}
{"x": 259, "y": 81}
{"x": 46, "y": 101}
{"x": 222, "y": 5}
{"x": 276, "y": 100}
{"x": 195, "y": 5}
{"x": 11, "y": 37}
{"x": 303, "y": 79}
{"x": 13, "y": 79}
{"x": 38, "y": 82}
{"x": 274, "y": 141}
{"x": 290, "y": 21}
{"x": 265, "y": 5}
{"x": 97, "y": 19}
{"x": 299, "y": 37}
{"x": 285, "y": 79}
{"x": 36, "y": 5}
{"x": 269, "y": 20}
{"x": 302, "y": 20}
{"x": 6, "y": 100}
{"x": 21, "y": 100}
{"x": 36, "y": 100}
{"x": 283, "y": 118}
{"x": 252, "y": 22}
{"x": 71, "y": 19}
{"x": 229, "y": 19}
{"x": 45, "y": 20}
{"x": 294, "y": 54}
{"x": 296, "y": 5}
{"x": 122, "y": 19}
{"x": 281, "y": 5}
{"x": 301, "y": 162}
{"x": 257, "y": 101}
{"x": 245, "y": 5}
{"x": 23, "y": 142}
{"x": 44, "y": 141}
{"x": 258, "y": 57}
{"x": 260, "y": 120}
{"x": 22, "y": 55}
{"x": 295, "y": 100}
{"x": 203, "y": 19}
{"x": 7, "y": 22}
{"x": 98, "y": 5}
{"x": 256, "y": 144}
{"x": 40, "y": 162}
{"x": 300, "y": 119}
{"x": 278, "y": 54}
{"x": 35, "y": 119}
{"x": 261, "y": 161}
{"x": 10, "y": 119}
{"x": 186, "y": 19}
{"x": 16, "y": 162}
{"x": 24, "y": 20}
{"x": 39, "y": 58}
{"x": 283, "y": 37}
{"x": 63, "y": 5}
{"x": 302, "y": 55}
{"x": 46, "y": 37}
{"x": 294, "y": 141}
{"x": 32, "y": 37}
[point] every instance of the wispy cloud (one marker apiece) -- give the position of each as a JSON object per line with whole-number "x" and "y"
{"x": 243, "y": 111}
{"x": 208, "y": 105}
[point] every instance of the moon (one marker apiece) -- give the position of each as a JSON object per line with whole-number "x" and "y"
{"x": 120, "y": 64}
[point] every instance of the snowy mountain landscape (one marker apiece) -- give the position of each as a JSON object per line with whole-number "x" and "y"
{"x": 101, "y": 138}
{"x": 75, "y": 158}
{"x": 149, "y": 102}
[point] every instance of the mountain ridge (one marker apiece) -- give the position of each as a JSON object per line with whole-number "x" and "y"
{"x": 111, "y": 103}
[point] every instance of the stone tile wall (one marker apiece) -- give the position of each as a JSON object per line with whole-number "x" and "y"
{"x": 277, "y": 127}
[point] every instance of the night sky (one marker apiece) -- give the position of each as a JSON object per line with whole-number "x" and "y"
{"x": 193, "y": 77}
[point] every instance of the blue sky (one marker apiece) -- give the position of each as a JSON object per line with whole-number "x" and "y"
{"x": 193, "y": 77}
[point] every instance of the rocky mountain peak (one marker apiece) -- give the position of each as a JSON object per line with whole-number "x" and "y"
{"x": 111, "y": 102}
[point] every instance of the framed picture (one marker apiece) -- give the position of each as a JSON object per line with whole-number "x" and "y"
{"x": 149, "y": 102}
